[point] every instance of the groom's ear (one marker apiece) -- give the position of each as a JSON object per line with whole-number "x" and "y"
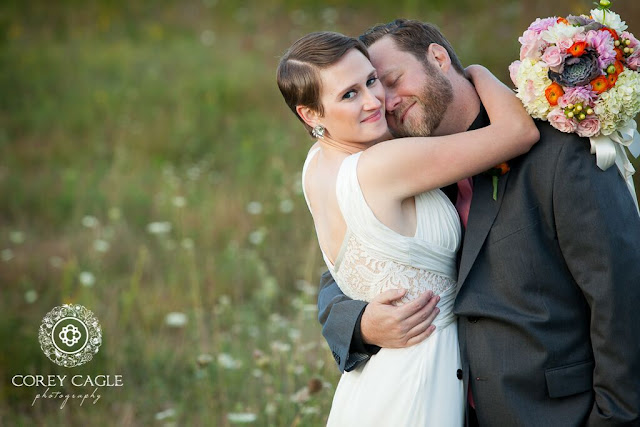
{"x": 308, "y": 115}
{"x": 439, "y": 57}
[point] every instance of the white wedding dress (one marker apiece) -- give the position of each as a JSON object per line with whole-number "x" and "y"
{"x": 418, "y": 385}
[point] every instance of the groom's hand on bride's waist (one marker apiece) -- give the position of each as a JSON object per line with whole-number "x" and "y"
{"x": 390, "y": 326}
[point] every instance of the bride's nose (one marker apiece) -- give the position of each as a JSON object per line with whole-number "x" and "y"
{"x": 371, "y": 100}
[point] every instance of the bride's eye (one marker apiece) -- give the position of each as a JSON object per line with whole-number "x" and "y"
{"x": 371, "y": 81}
{"x": 349, "y": 94}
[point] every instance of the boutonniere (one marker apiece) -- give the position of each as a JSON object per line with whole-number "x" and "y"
{"x": 496, "y": 172}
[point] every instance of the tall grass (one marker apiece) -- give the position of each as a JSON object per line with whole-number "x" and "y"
{"x": 148, "y": 166}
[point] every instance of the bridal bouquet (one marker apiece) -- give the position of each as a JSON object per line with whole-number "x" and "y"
{"x": 581, "y": 74}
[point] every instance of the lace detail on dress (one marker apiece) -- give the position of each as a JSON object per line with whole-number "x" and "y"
{"x": 361, "y": 275}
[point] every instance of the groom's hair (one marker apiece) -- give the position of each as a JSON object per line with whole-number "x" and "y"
{"x": 413, "y": 37}
{"x": 298, "y": 71}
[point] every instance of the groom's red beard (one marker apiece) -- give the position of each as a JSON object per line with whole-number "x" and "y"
{"x": 429, "y": 109}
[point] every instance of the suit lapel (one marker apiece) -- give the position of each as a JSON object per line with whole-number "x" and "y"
{"x": 482, "y": 214}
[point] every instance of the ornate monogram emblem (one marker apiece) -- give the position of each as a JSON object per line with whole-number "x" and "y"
{"x": 70, "y": 335}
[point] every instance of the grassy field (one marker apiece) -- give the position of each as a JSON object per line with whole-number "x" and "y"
{"x": 149, "y": 170}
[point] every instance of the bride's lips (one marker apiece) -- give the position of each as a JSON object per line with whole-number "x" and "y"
{"x": 404, "y": 114}
{"x": 373, "y": 118}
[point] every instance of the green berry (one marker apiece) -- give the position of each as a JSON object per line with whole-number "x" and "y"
{"x": 611, "y": 69}
{"x": 605, "y": 3}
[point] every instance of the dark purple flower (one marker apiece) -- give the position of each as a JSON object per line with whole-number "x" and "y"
{"x": 584, "y": 21}
{"x": 577, "y": 71}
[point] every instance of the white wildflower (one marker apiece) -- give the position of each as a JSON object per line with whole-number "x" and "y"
{"x": 87, "y": 279}
{"x": 101, "y": 245}
{"x": 179, "y": 202}
{"x": 241, "y": 417}
{"x": 176, "y": 319}
{"x": 228, "y": 362}
{"x": 286, "y": 206}
{"x": 207, "y": 37}
{"x": 162, "y": 227}
{"x": 30, "y": 296}
{"x": 7, "y": 255}
{"x": 90, "y": 221}
{"x": 16, "y": 237}
{"x": 254, "y": 208}
{"x": 256, "y": 237}
{"x": 167, "y": 413}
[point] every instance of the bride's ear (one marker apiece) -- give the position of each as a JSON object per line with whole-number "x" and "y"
{"x": 308, "y": 115}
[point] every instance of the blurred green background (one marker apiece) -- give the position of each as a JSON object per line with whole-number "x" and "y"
{"x": 149, "y": 170}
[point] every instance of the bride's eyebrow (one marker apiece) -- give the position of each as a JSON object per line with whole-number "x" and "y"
{"x": 354, "y": 85}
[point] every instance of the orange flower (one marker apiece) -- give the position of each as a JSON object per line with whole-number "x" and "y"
{"x": 619, "y": 67}
{"x": 577, "y": 49}
{"x": 600, "y": 84}
{"x": 553, "y": 92}
{"x": 563, "y": 20}
{"x": 612, "y": 79}
{"x": 503, "y": 168}
{"x": 619, "y": 54}
{"x": 611, "y": 31}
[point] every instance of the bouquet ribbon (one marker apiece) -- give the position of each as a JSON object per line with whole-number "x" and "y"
{"x": 609, "y": 149}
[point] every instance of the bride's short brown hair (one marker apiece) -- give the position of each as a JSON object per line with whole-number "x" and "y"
{"x": 298, "y": 77}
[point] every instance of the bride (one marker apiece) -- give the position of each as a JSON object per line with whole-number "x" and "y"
{"x": 383, "y": 223}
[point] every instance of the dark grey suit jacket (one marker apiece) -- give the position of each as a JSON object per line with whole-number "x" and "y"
{"x": 548, "y": 282}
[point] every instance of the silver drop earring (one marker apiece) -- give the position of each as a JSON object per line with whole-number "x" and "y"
{"x": 318, "y": 131}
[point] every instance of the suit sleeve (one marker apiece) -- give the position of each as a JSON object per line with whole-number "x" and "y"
{"x": 598, "y": 229}
{"x": 340, "y": 318}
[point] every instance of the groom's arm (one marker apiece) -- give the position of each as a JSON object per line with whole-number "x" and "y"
{"x": 356, "y": 330}
{"x": 598, "y": 229}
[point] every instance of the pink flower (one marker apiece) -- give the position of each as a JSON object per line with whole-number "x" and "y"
{"x": 602, "y": 42}
{"x": 588, "y": 127}
{"x": 540, "y": 25}
{"x": 513, "y": 71}
{"x": 532, "y": 44}
{"x": 565, "y": 44}
{"x": 635, "y": 44}
{"x": 553, "y": 56}
{"x": 633, "y": 62}
{"x": 558, "y": 120}
{"x": 577, "y": 94}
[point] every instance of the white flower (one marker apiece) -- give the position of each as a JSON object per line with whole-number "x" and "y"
{"x": 254, "y": 208}
{"x": 101, "y": 245}
{"x": 159, "y": 227}
{"x": 286, "y": 206}
{"x": 256, "y": 237}
{"x": 87, "y": 279}
{"x": 187, "y": 243}
{"x": 531, "y": 80}
{"x": 610, "y": 19}
{"x": 16, "y": 237}
{"x": 114, "y": 214}
{"x": 241, "y": 417}
{"x": 620, "y": 103}
{"x": 30, "y": 296}
{"x": 207, "y": 37}
{"x": 167, "y": 413}
{"x": 228, "y": 362}
{"x": 179, "y": 202}
{"x": 176, "y": 319}
{"x": 90, "y": 221}
{"x": 56, "y": 262}
{"x": 7, "y": 255}
{"x": 559, "y": 32}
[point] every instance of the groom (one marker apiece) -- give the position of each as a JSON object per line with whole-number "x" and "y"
{"x": 549, "y": 275}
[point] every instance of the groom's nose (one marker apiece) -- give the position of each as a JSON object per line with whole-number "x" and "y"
{"x": 392, "y": 101}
